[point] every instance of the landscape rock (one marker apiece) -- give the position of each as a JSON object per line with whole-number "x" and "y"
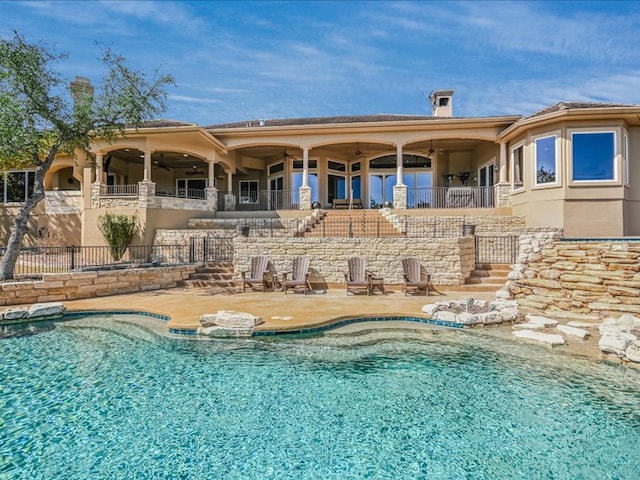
{"x": 573, "y": 331}
{"x": 45, "y": 310}
{"x": 583, "y": 324}
{"x": 429, "y": 308}
{"x": 528, "y": 326}
{"x": 547, "y": 322}
{"x": 550, "y": 339}
{"x": 615, "y": 342}
{"x": 15, "y": 313}
{"x": 230, "y": 319}
{"x": 225, "y": 332}
{"x": 633, "y": 351}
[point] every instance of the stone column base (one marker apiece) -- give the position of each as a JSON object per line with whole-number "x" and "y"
{"x": 400, "y": 196}
{"x": 305, "y": 198}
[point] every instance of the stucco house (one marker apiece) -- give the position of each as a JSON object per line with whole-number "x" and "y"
{"x": 573, "y": 165}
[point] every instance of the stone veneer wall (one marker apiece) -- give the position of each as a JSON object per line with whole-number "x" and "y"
{"x": 579, "y": 277}
{"x": 437, "y": 226}
{"x": 56, "y": 287}
{"x": 449, "y": 260}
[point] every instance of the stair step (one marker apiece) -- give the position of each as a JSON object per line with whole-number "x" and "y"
{"x": 493, "y": 266}
{"x": 490, "y": 273}
{"x": 479, "y": 280}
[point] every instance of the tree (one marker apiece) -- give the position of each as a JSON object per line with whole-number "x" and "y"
{"x": 41, "y": 117}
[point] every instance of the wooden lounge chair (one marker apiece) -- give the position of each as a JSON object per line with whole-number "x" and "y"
{"x": 258, "y": 275}
{"x": 414, "y": 278}
{"x": 357, "y": 278}
{"x": 299, "y": 275}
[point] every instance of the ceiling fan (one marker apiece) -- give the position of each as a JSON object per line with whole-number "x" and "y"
{"x": 287, "y": 156}
{"x": 431, "y": 151}
{"x": 358, "y": 152}
{"x": 161, "y": 164}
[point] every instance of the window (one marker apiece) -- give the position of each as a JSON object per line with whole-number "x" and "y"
{"x": 546, "y": 160}
{"x": 593, "y": 155}
{"x": 278, "y": 167}
{"x": 16, "y": 186}
{"x": 517, "y": 168}
{"x": 248, "y": 191}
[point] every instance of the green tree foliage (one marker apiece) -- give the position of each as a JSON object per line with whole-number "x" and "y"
{"x": 39, "y": 116}
{"x": 118, "y": 231}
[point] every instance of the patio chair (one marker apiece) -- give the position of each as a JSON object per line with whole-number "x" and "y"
{"x": 414, "y": 278}
{"x": 357, "y": 278}
{"x": 299, "y": 275}
{"x": 257, "y": 275}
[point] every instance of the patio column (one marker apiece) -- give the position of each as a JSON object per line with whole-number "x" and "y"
{"x": 99, "y": 161}
{"x": 503, "y": 163}
{"x": 147, "y": 166}
{"x": 305, "y": 189}
{"x": 399, "y": 167}
{"x": 211, "y": 192}
{"x": 399, "y": 189}
{"x": 503, "y": 188}
{"x": 305, "y": 167}
{"x": 229, "y": 197}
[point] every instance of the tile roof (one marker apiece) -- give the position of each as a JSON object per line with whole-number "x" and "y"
{"x": 159, "y": 123}
{"x": 283, "y": 122}
{"x": 575, "y": 105}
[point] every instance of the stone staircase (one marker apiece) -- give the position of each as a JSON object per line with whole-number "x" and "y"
{"x": 352, "y": 224}
{"x": 487, "y": 277}
{"x": 217, "y": 275}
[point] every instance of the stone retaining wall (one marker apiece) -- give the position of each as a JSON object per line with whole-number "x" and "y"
{"x": 72, "y": 286}
{"x": 449, "y": 260}
{"x": 578, "y": 277}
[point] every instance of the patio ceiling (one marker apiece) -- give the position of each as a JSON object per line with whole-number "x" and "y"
{"x": 169, "y": 159}
{"x": 355, "y": 150}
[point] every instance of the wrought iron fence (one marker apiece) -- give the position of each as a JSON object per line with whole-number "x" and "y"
{"x": 497, "y": 249}
{"x": 450, "y": 197}
{"x": 262, "y": 200}
{"x": 39, "y": 260}
{"x": 211, "y": 249}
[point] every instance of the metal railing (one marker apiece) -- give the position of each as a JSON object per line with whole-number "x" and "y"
{"x": 262, "y": 200}
{"x": 355, "y": 227}
{"x": 119, "y": 190}
{"x": 451, "y": 197}
{"x": 39, "y": 260}
{"x": 211, "y": 249}
{"x": 497, "y": 249}
{"x": 195, "y": 193}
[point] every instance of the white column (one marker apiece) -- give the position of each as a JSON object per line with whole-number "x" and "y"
{"x": 147, "y": 166}
{"x": 229, "y": 181}
{"x": 212, "y": 164}
{"x": 99, "y": 161}
{"x": 399, "y": 167}
{"x": 503, "y": 163}
{"x": 305, "y": 167}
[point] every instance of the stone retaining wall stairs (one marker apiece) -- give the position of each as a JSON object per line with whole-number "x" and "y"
{"x": 487, "y": 277}
{"x": 352, "y": 223}
{"x": 217, "y": 275}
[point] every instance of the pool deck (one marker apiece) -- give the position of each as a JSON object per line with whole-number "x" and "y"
{"x": 280, "y": 312}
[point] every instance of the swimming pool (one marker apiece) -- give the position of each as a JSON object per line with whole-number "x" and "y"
{"x": 99, "y": 398}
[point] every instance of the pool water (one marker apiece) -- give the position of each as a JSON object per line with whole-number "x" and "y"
{"x": 103, "y": 399}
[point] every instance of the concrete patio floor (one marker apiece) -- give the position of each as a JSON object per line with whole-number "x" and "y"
{"x": 280, "y": 311}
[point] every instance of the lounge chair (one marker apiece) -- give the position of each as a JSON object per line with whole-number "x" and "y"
{"x": 414, "y": 278}
{"x": 359, "y": 278}
{"x": 299, "y": 275}
{"x": 258, "y": 275}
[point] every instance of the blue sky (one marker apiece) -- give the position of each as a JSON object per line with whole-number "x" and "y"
{"x": 246, "y": 60}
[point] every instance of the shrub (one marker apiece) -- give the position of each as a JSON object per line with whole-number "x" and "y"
{"x": 118, "y": 231}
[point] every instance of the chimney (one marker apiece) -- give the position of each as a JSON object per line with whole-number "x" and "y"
{"x": 81, "y": 86}
{"x": 441, "y": 103}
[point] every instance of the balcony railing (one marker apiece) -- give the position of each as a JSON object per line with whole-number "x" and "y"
{"x": 451, "y": 197}
{"x": 119, "y": 190}
{"x": 196, "y": 193}
{"x": 262, "y": 200}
